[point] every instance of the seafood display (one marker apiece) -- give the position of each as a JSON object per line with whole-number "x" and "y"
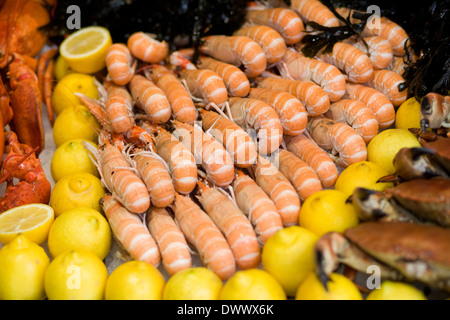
{"x": 211, "y": 144}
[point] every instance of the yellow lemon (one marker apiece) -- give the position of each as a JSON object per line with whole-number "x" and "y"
{"x": 135, "y": 280}
{"x": 75, "y": 123}
{"x": 72, "y": 157}
{"x": 391, "y": 290}
{"x": 289, "y": 256}
{"x": 63, "y": 95}
{"x": 408, "y": 114}
{"x": 193, "y": 284}
{"x": 338, "y": 288}
{"x": 85, "y": 49}
{"x": 32, "y": 220}
{"x": 385, "y": 145}
{"x": 361, "y": 174}
{"x": 62, "y": 68}
{"x": 80, "y": 228}
{"x": 77, "y": 190}
{"x": 22, "y": 270}
{"x": 76, "y": 275}
{"x": 252, "y": 284}
{"x": 326, "y": 211}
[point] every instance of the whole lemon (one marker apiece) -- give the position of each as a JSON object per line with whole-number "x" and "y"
{"x": 135, "y": 280}
{"x": 339, "y": 287}
{"x": 385, "y": 145}
{"x": 327, "y": 210}
{"x": 408, "y": 114}
{"x": 72, "y": 157}
{"x": 22, "y": 270}
{"x": 77, "y": 190}
{"x": 62, "y": 68}
{"x": 63, "y": 95}
{"x": 76, "y": 275}
{"x": 289, "y": 256}
{"x": 193, "y": 284}
{"x": 361, "y": 174}
{"x": 392, "y": 290}
{"x": 75, "y": 123}
{"x": 80, "y": 228}
{"x": 252, "y": 284}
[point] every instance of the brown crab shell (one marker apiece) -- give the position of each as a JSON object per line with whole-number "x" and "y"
{"x": 427, "y": 198}
{"x": 441, "y": 147}
{"x": 420, "y": 252}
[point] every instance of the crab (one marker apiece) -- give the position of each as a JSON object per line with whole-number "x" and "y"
{"x": 417, "y": 163}
{"x": 425, "y": 201}
{"x": 402, "y": 251}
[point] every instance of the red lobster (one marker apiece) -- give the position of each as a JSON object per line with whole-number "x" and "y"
{"x": 22, "y": 163}
{"x": 24, "y": 83}
{"x": 21, "y": 89}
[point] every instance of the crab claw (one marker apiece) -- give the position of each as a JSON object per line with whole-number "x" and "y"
{"x": 432, "y": 110}
{"x": 325, "y": 250}
{"x": 368, "y": 203}
{"x": 416, "y": 163}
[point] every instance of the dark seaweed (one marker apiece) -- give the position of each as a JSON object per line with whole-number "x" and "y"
{"x": 179, "y": 22}
{"x": 324, "y": 38}
{"x": 427, "y": 24}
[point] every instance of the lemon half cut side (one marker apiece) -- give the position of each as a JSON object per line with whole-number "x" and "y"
{"x": 32, "y": 220}
{"x": 85, "y": 50}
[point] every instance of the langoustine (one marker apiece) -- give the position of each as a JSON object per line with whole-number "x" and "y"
{"x": 257, "y": 205}
{"x": 208, "y": 152}
{"x": 314, "y": 156}
{"x": 342, "y": 142}
{"x": 279, "y": 189}
{"x": 375, "y": 100}
{"x": 296, "y": 66}
{"x": 316, "y": 11}
{"x": 175, "y": 252}
{"x": 205, "y": 86}
{"x": 311, "y": 95}
{"x": 237, "y": 50}
{"x": 290, "y": 110}
{"x": 302, "y": 177}
{"x": 379, "y": 50}
{"x": 358, "y": 115}
{"x": 179, "y": 158}
{"x": 200, "y": 231}
{"x": 272, "y": 43}
{"x": 237, "y": 142}
{"x": 146, "y": 48}
{"x": 154, "y": 172}
{"x": 390, "y": 83}
{"x": 120, "y": 64}
{"x": 119, "y": 176}
{"x": 233, "y": 224}
{"x": 150, "y": 98}
{"x": 255, "y": 114}
{"x": 351, "y": 60}
{"x": 284, "y": 20}
{"x": 131, "y": 232}
{"x": 183, "y": 107}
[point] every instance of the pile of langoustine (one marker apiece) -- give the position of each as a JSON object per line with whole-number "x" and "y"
{"x": 275, "y": 127}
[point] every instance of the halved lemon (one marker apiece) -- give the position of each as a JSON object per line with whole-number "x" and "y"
{"x": 85, "y": 50}
{"x": 32, "y": 220}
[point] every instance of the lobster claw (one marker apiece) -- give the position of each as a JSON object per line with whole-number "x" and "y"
{"x": 26, "y": 102}
{"x": 21, "y": 163}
